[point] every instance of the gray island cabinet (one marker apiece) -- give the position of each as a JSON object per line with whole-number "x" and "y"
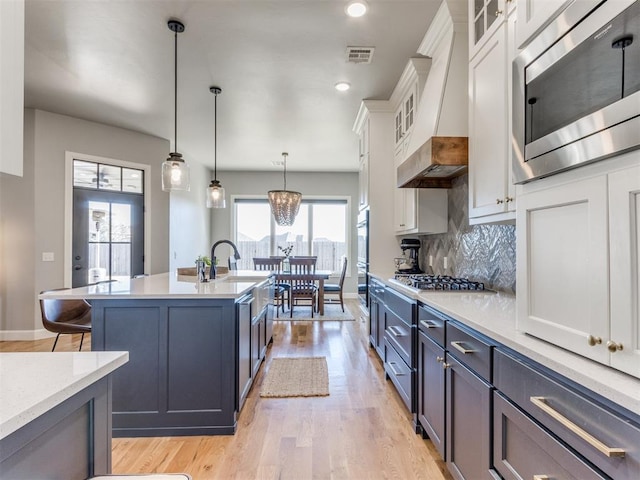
{"x": 191, "y": 359}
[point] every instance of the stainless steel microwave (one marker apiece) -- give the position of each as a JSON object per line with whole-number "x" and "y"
{"x": 576, "y": 89}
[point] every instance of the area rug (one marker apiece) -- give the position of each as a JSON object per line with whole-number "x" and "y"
{"x": 296, "y": 377}
{"x": 331, "y": 312}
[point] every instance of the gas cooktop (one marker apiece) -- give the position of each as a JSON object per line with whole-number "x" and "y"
{"x": 438, "y": 282}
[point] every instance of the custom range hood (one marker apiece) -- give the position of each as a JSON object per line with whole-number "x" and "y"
{"x": 438, "y": 149}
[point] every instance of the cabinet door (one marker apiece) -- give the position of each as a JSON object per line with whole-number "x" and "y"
{"x": 562, "y": 264}
{"x": 485, "y": 17}
{"x": 244, "y": 350}
{"x": 363, "y": 181}
{"x": 488, "y": 128}
{"x": 468, "y": 423}
{"x": 431, "y": 412}
{"x": 405, "y": 209}
{"x": 373, "y": 321}
{"x": 534, "y": 15}
{"x": 624, "y": 241}
{"x": 256, "y": 346}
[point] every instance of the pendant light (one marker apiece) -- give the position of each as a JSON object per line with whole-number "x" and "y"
{"x": 284, "y": 203}
{"x": 175, "y": 171}
{"x": 215, "y": 191}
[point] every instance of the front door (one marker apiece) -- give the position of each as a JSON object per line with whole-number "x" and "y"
{"x": 108, "y": 236}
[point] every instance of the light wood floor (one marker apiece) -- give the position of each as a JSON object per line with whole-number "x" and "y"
{"x": 360, "y": 431}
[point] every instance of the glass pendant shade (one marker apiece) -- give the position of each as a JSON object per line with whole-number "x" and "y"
{"x": 284, "y": 206}
{"x": 215, "y": 195}
{"x": 284, "y": 203}
{"x": 175, "y": 174}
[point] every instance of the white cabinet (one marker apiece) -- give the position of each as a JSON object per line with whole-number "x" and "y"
{"x": 534, "y": 15}
{"x": 491, "y": 190}
{"x": 624, "y": 244}
{"x": 579, "y": 269}
{"x": 363, "y": 175}
{"x": 405, "y": 116}
{"x": 485, "y": 18}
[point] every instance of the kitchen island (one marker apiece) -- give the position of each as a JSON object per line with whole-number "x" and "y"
{"x": 194, "y": 348}
{"x": 55, "y": 414}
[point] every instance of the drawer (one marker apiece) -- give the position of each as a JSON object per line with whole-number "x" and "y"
{"x": 400, "y": 305}
{"x": 400, "y": 335}
{"x": 469, "y": 349}
{"x": 523, "y": 449}
{"x": 431, "y": 323}
{"x": 399, "y": 373}
{"x": 607, "y": 437}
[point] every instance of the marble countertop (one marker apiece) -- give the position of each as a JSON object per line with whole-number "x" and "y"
{"x": 168, "y": 285}
{"x": 494, "y": 314}
{"x": 33, "y": 383}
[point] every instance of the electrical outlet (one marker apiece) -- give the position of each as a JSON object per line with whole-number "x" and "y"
{"x": 48, "y": 257}
{"x": 446, "y": 263}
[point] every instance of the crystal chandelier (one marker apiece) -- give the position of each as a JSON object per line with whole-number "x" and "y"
{"x": 175, "y": 171}
{"x": 215, "y": 191}
{"x": 284, "y": 203}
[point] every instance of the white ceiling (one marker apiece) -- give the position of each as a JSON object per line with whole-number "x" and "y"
{"x": 111, "y": 61}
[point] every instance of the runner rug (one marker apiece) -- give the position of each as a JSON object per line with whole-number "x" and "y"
{"x": 331, "y": 312}
{"x": 296, "y": 377}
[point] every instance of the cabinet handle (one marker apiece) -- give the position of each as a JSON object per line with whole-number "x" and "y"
{"x": 428, "y": 324}
{"x": 499, "y": 201}
{"x": 402, "y": 224}
{"x": 614, "y": 347}
{"x": 508, "y": 199}
{"x": 593, "y": 341}
{"x": 439, "y": 359}
{"x": 541, "y": 403}
{"x": 498, "y": 13}
{"x": 458, "y": 346}
{"x": 445, "y": 365}
{"x": 397, "y": 331}
{"x": 392, "y": 367}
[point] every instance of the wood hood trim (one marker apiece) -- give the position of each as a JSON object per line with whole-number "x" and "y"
{"x": 435, "y": 163}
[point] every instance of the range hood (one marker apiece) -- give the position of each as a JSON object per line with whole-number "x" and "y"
{"x": 438, "y": 148}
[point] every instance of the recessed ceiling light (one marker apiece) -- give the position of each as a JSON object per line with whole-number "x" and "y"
{"x": 356, "y": 8}
{"x": 342, "y": 86}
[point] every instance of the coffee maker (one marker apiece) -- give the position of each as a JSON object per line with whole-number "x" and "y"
{"x": 409, "y": 263}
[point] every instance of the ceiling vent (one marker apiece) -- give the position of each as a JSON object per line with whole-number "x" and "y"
{"x": 360, "y": 54}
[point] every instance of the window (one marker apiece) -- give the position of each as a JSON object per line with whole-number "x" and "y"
{"x": 320, "y": 229}
{"x": 107, "y": 177}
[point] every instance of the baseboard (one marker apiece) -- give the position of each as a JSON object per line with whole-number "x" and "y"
{"x": 21, "y": 335}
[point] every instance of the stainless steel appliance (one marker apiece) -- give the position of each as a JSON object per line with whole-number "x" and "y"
{"x": 363, "y": 256}
{"x": 577, "y": 89}
{"x": 409, "y": 262}
{"x": 438, "y": 282}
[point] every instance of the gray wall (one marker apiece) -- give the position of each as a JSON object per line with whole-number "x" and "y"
{"x": 485, "y": 253}
{"x": 32, "y": 208}
{"x": 310, "y": 184}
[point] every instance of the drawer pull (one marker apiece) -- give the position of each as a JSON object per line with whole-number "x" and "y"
{"x": 428, "y": 324}
{"x": 396, "y": 331}
{"x": 541, "y": 403}
{"x": 439, "y": 359}
{"x": 593, "y": 341}
{"x": 397, "y": 373}
{"x": 458, "y": 346}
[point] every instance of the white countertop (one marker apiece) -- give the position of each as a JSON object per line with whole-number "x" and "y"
{"x": 169, "y": 285}
{"x": 33, "y": 383}
{"x": 494, "y": 314}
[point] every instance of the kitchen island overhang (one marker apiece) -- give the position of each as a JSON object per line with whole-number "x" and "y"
{"x": 184, "y": 375}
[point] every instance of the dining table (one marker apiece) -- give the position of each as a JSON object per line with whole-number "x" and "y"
{"x": 319, "y": 275}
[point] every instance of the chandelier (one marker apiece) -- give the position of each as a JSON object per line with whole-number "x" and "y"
{"x": 284, "y": 203}
{"x": 175, "y": 171}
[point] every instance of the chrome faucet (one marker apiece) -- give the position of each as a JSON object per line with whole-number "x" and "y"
{"x": 212, "y": 271}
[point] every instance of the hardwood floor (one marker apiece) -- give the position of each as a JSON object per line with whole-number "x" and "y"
{"x": 360, "y": 431}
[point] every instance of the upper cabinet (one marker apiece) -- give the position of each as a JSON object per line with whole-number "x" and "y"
{"x": 363, "y": 176}
{"x": 485, "y": 17}
{"x": 534, "y": 15}
{"x": 491, "y": 190}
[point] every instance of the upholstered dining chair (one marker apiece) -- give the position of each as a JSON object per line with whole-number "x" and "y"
{"x": 274, "y": 264}
{"x": 333, "y": 288}
{"x": 303, "y": 285}
{"x": 65, "y": 316}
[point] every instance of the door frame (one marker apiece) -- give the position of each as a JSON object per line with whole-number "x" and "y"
{"x": 68, "y": 206}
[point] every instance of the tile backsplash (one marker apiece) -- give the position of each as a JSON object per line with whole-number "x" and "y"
{"x": 484, "y": 253}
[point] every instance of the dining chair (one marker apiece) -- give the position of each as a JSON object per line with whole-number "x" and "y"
{"x": 65, "y": 316}
{"x": 334, "y": 288}
{"x": 282, "y": 290}
{"x": 303, "y": 283}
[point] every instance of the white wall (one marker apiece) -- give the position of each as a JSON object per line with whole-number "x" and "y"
{"x": 190, "y": 220}
{"x": 32, "y": 209}
{"x": 343, "y": 184}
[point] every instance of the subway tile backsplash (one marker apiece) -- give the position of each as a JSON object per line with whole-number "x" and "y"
{"x": 484, "y": 253}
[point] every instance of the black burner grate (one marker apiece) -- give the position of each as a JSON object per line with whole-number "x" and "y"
{"x": 439, "y": 282}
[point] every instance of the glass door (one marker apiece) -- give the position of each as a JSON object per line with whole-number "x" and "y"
{"x": 108, "y": 236}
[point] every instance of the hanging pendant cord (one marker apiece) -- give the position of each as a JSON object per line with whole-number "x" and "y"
{"x": 215, "y": 138}
{"x": 175, "y": 92}
{"x": 285, "y": 170}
